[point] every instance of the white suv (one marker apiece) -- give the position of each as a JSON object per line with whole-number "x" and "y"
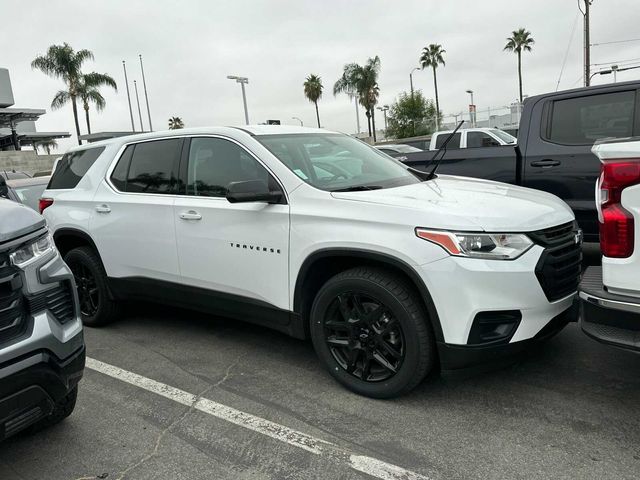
{"x": 610, "y": 295}
{"x": 317, "y": 235}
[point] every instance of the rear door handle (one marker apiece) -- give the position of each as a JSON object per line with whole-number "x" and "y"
{"x": 190, "y": 215}
{"x": 546, "y": 163}
{"x": 104, "y": 208}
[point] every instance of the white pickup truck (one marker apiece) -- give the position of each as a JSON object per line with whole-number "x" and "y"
{"x": 610, "y": 295}
{"x": 472, "y": 138}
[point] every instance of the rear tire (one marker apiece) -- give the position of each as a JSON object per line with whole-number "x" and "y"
{"x": 96, "y": 304}
{"x": 371, "y": 332}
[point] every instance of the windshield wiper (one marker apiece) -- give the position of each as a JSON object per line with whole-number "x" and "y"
{"x": 358, "y": 188}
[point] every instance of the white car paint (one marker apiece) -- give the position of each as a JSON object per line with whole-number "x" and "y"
{"x": 144, "y": 235}
{"x": 491, "y": 132}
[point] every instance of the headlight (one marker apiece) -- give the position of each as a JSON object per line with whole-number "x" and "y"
{"x": 32, "y": 251}
{"x": 493, "y": 246}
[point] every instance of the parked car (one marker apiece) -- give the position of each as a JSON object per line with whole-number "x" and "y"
{"x": 420, "y": 142}
{"x": 13, "y": 174}
{"x": 553, "y": 154}
{"x": 472, "y": 138}
{"x": 610, "y": 294}
{"x": 41, "y": 343}
{"x": 397, "y": 151}
{"x": 388, "y": 273}
{"x": 26, "y": 190}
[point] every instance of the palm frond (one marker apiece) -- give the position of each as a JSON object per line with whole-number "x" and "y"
{"x": 95, "y": 79}
{"x": 60, "y": 99}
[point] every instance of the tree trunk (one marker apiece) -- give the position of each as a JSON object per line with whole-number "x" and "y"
{"x": 373, "y": 122}
{"x": 435, "y": 85}
{"x": 75, "y": 117}
{"x": 86, "y": 116}
{"x": 317, "y": 114}
{"x": 368, "y": 113}
{"x": 520, "y": 75}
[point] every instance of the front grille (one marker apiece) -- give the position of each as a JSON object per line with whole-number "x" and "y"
{"x": 560, "y": 265}
{"x": 13, "y": 318}
{"x": 58, "y": 300}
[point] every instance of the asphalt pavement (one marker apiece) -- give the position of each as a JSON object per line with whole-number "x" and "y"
{"x": 173, "y": 394}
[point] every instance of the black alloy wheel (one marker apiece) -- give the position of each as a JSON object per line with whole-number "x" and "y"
{"x": 88, "y": 293}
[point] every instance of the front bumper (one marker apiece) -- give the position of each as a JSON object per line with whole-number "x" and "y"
{"x": 31, "y": 386}
{"x": 606, "y": 317}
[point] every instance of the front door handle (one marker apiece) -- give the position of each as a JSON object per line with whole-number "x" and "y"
{"x": 190, "y": 215}
{"x": 104, "y": 208}
{"x": 546, "y": 163}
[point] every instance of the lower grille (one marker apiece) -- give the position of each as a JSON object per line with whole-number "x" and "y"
{"x": 58, "y": 300}
{"x": 560, "y": 265}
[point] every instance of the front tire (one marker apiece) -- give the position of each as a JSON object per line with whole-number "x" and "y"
{"x": 370, "y": 331}
{"x": 97, "y": 308}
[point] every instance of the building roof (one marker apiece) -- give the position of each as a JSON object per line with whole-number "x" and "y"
{"x": 9, "y": 116}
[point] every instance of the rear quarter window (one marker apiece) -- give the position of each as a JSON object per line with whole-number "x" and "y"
{"x": 72, "y": 167}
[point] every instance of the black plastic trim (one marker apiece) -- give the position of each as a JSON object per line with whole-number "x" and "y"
{"x": 374, "y": 256}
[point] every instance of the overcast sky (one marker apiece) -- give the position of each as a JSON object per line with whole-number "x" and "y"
{"x": 190, "y": 46}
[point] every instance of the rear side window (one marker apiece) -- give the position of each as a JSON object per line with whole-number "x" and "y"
{"x": 453, "y": 144}
{"x": 72, "y": 167}
{"x": 480, "y": 139}
{"x": 149, "y": 167}
{"x": 583, "y": 120}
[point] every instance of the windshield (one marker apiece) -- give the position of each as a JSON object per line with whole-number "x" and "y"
{"x": 504, "y": 136}
{"x": 336, "y": 162}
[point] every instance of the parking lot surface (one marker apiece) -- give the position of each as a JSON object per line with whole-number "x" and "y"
{"x": 172, "y": 394}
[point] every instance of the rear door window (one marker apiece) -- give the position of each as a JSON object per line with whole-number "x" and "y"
{"x": 480, "y": 139}
{"x": 148, "y": 167}
{"x": 72, "y": 167}
{"x": 583, "y": 120}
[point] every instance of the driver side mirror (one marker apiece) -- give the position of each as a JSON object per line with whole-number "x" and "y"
{"x": 252, "y": 191}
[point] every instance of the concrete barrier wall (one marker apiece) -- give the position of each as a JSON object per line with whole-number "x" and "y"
{"x": 26, "y": 161}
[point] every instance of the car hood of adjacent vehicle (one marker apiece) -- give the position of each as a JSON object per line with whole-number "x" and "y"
{"x": 462, "y": 203}
{"x": 17, "y": 220}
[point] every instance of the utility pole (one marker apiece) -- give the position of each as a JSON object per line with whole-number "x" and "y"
{"x": 126, "y": 82}
{"x": 242, "y": 81}
{"x": 587, "y": 41}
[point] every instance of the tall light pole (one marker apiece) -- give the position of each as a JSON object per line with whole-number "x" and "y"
{"x": 135, "y": 86}
{"x": 472, "y": 109}
{"x": 587, "y": 46}
{"x": 126, "y": 82}
{"x": 146, "y": 97}
{"x": 384, "y": 110}
{"x": 614, "y": 69}
{"x": 242, "y": 81}
{"x": 299, "y": 119}
{"x": 411, "y": 79}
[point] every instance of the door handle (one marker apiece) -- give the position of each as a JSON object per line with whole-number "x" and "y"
{"x": 546, "y": 163}
{"x": 104, "y": 208}
{"x": 190, "y": 215}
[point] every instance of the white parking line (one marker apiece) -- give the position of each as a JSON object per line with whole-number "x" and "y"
{"x": 361, "y": 463}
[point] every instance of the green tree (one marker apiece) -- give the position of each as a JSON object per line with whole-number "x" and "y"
{"x": 519, "y": 41}
{"x": 175, "y": 123}
{"x": 363, "y": 80}
{"x": 313, "y": 91}
{"x": 432, "y": 56}
{"x": 411, "y": 115}
{"x": 62, "y": 61}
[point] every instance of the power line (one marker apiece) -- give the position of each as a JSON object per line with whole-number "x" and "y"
{"x": 612, "y": 62}
{"x": 616, "y": 41}
{"x": 566, "y": 54}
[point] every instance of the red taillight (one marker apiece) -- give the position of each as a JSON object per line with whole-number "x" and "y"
{"x": 44, "y": 203}
{"x": 616, "y": 223}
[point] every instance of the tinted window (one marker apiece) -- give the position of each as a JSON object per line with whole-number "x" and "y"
{"x": 214, "y": 163}
{"x": 30, "y": 195}
{"x": 453, "y": 144}
{"x": 148, "y": 167}
{"x": 480, "y": 139}
{"x": 582, "y": 121}
{"x": 72, "y": 167}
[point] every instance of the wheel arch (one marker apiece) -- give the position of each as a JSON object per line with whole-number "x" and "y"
{"x": 66, "y": 239}
{"x": 321, "y": 265}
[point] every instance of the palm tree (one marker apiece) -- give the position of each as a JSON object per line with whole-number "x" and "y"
{"x": 313, "y": 91}
{"x": 362, "y": 79}
{"x": 47, "y": 145}
{"x": 519, "y": 40}
{"x": 432, "y": 56}
{"x": 175, "y": 123}
{"x": 61, "y": 61}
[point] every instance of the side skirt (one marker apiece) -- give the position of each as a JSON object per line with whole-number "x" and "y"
{"x": 208, "y": 301}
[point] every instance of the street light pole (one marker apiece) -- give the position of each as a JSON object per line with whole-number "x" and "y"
{"x": 411, "y": 79}
{"x": 135, "y": 86}
{"x": 146, "y": 96}
{"x": 384, "y": 109}
{"x": 126, "y": 82}
{"x": 472, "y": 109}
{"x": 300, "y": 120}
{"x": 242, "y": 81}
{"x": 614, "y": 69}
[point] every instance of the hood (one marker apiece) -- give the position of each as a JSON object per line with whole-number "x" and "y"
{"x": 16, "y": 220}
{"x": 463, "y": 203}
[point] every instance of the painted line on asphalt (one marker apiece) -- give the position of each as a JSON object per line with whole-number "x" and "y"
{"x": 361, "y": 463}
